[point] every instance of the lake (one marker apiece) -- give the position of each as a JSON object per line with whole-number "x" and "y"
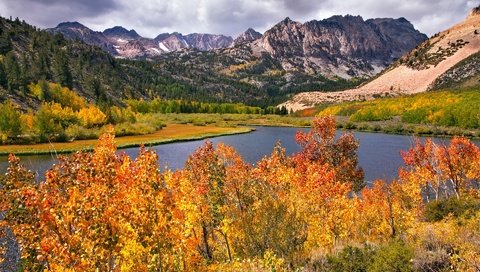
{"x": 379, "y": 154}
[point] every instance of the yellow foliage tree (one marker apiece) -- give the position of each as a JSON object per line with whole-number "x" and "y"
{"x": 91, "y": 116}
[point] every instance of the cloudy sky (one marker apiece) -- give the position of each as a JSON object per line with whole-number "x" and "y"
{"x": 151, "y": 17}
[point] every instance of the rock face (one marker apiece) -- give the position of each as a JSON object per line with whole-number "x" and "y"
{"x": 345, "y": 46}
{"x": 448, "y": 59}
{"x": 206, "y": 42}
{"x": 249, "y": 35}
{"x": 121, "y": 42}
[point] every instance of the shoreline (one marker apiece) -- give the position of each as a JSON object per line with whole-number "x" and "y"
{"x": 158, "y": 138}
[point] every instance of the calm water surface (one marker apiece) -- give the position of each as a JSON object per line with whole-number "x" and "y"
{"x": 379, "y": 154}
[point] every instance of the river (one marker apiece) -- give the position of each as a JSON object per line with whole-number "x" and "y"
{"x": 379, "y": 154}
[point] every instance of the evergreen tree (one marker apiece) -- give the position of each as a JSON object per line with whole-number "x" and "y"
{"x": 13, "y": 72}
{"x": 61, "y": 69}
{"x": 3, "y": 76}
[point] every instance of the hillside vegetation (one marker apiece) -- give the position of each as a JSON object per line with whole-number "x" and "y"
{"x": 29, "y": 55}
{"x": 66, "y": 116}
{"x": 440, "y": 108}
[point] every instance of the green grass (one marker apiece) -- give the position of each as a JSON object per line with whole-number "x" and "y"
{"x": 171, "y": 133}
{"x": 441, "y": 108}
{"x": 180, "y": 127}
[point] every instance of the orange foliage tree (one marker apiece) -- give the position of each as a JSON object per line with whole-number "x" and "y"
{"x": 443, "y": 169}
{"x": 94, "y": 211}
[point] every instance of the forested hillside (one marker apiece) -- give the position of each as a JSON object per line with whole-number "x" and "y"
{"x": 28, "y": 55}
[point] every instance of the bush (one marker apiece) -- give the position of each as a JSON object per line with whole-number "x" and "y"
{"x": 76, "y": 132}
{"x": 439, "y": 209}
{"x": 352, "y": 259}
{"x": 394, "y": 257}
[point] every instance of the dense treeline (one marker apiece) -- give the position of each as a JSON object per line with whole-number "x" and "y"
{"x": 442, "y": 108}
{"x": 309, "y": 211}
{"x": 182, "y": 106}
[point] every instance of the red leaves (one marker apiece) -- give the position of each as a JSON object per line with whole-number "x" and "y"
{"x": 438, "y": 167}
{"x": 320, "y": 146}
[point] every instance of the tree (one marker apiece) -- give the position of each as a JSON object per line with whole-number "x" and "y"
{"x": 61, "y": 69}
{"x": 443, "y": 169}
{"x": 319, "y": 145}
{"x": 3, "y": 76}
{"x": 95, "y": 211}
{"x": 13, "y": 72}
{"x": 52, "y": 119}
{"x": 91, "y": 116}
{"x": 10, "y": 122}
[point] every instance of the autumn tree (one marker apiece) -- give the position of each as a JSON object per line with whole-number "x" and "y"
{"x": 442, "y": 169}
{"x": 91, "y": 116}
{"x": 10, "y": 123}
{"x": 95, "y": 211}
{"x": 320, "y": 145}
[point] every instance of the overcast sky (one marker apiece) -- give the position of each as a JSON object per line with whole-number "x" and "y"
{"x": 152, "y": 17}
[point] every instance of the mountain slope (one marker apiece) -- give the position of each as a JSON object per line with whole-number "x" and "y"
{"x": 28, "y": 55}
{"x": 424, "y": 68}
{"x": 249, "y": 35}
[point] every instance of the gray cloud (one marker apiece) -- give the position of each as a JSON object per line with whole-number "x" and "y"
{"x": 230, "y": 17}
{"x": 46, "y": 13}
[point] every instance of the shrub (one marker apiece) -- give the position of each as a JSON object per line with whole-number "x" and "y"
{"x": 395, "y": 257}
{"x": 439, "y": 209}
{"x": 354, "y": 259}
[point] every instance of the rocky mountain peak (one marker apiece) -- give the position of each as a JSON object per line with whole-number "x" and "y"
{"x": 206, "y": 42}
{"x": 71, "y": 25}
{"x": 249, "y": 35}
{"x": 332, "y": 46}
{"x": 121, "y": 32}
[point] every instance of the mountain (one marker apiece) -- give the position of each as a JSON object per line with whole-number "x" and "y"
{"x": 77, "y": 31}
{"x": 449, "y": 59}
{"x": 124, "y": 43}
{"x": 340, "y": 46}
{"x": 345, "y": 46}
{"x": 332, "y": 54}
{"x": 249, "y": 35}
{"x": 121, "y": 33}
{"x": 206, "y": 42}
